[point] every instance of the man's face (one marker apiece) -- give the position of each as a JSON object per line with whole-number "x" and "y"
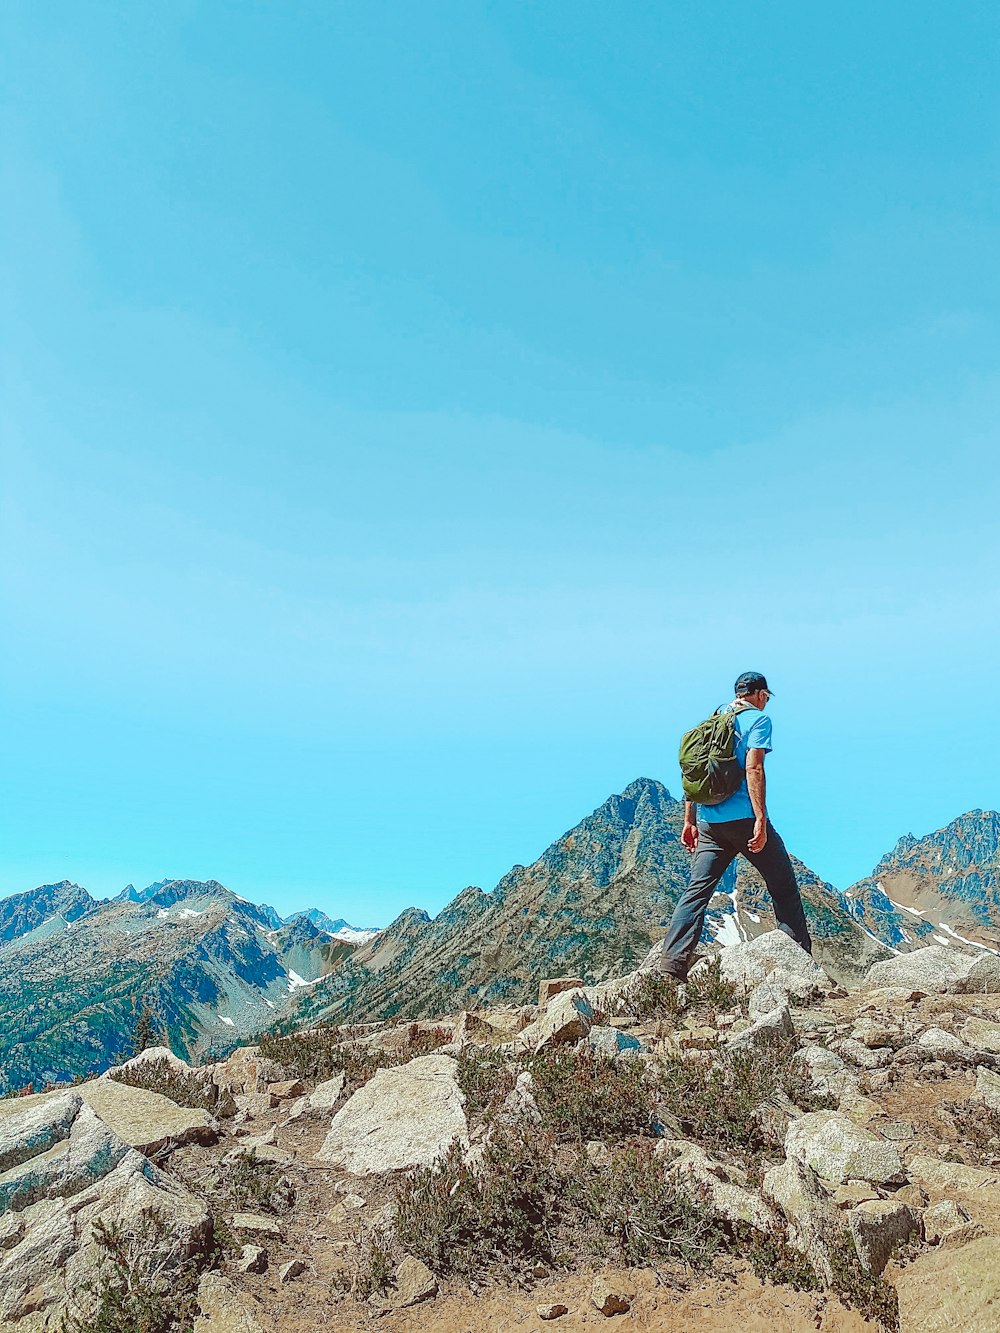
{"x": 759, "y": 699}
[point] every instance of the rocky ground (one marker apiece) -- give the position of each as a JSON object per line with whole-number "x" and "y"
{"x": 759, "y": 1146}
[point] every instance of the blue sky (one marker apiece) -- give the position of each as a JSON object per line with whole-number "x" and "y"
{"x": 414, "y": 416}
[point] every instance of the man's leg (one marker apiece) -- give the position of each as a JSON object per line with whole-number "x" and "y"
{"x": 710, "y": 863}
{"x": 776, "y": 869}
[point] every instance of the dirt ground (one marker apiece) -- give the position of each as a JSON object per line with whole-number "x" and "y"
{"x": 731, "y": 1300}
{"x": 711, "y": 1305}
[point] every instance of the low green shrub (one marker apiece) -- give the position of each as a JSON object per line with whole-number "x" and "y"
{"x": 977, "y": 1129}
{"x": 142, "y": 1286}
{"x": 499, "y": 1216}
{"x": 716, "y": 1100}
{"x": 583, "y": 1095}
{"x": 705, "y": 995}
{"x": 251, "y": 1185}
{"x": 873, "y": 1297}
{"x": 182, "y": 1087}
{"x": 372, "y": 1270}
{"x": 485, "y": 1077}
{"x": 319, "y": 1053}
{"x": 633, "y": 1205}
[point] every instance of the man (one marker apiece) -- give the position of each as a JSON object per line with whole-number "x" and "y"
{"x": 736, "y": 826}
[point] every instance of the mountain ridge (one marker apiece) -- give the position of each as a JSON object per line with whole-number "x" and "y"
{"x": 215, "y": 969}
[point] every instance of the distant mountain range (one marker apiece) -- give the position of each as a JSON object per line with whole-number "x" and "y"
{"x": 593, "y": 902}
{"x": 213, "y": 969}
{"x": 209, "y": 967}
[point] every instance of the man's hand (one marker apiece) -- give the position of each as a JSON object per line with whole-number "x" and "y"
{"x": 689, "y": 836}
{"x": 759, "y": 838}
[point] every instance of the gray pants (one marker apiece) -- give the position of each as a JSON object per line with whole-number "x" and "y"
{"x": 718, "y": 845}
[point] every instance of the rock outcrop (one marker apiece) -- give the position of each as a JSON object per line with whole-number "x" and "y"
{"x": 407, "y": 1116}
{"x": 64, "y": 1172}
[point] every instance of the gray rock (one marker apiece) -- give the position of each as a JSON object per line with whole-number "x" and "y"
{"x": 764, "y": 999}
{"x": 900, "y": 1131}
{"x": 414, "y": 1283}
{"x": 794, "y": 1189}
{"x": 253, "y": 1259}
{"x": 223, "y": 1309}
{"x": 771, "y": 1029}
{"x": 838, "y": 1150}
{"x": 609, "y": 1298}
{"x": 937, "y": 969}
{"x": 943, "y": 1219}
{"x": 30, "y": 1126}
{"x": 774, "y": 958}
{"x": 152, "y": 1055}
{"x": 293, "y": 1269}
{"x": 61, "y": 1193}
{"x": 714, "y": 1185}
{"x": 146, "y": 1120}
{"x": 937, "y": 1175}
{"x": 937, "y": 1044}
{"x": 474, "y": 1030}
{"x": 864, "y": 1057}
{"x": 567, "y": 1018}
{"x": 549, "y": 989}
{"x": 520, "y": 1104}
{"x": 952, "y": 1289}
{"x": 982, "y": 1036}
{"x": 325, "y": 1095}
{"x": 827, "y": 1073}
{"x": 552, "y": 1311}
{"x": 877, "y": 1227}
{"x": 613, "y": 1042}
{"x": 74, "y": 1163}
{"x": 598, "y": 1153}
{"x": 259, "y": 1222}
{"x": 988, "y": 1088}
{"x": 405, "y": 1116}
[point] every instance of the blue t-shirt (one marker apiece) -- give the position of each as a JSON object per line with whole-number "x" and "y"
{"x": 753, "y": 732}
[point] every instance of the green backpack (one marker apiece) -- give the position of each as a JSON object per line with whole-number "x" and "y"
{"x": 710, "y": 772}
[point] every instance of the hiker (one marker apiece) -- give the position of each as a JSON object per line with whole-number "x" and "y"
{"x": 735, "y": 825}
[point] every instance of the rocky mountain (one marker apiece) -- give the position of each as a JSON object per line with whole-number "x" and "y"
{"x": 589, "y": 907}
{"x": 339, "y": 928}
{"x": 208, "y": 966}
{"x": 51, "y": 906}
{"x": 942, "y": 888}
{"x": 763, "y": 1150}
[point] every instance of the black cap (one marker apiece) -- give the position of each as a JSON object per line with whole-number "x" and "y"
{"x": 750, "y": 682}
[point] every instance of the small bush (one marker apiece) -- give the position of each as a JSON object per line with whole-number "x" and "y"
{"x": 873, "y": 1297}
{"x": 716, "y": 1101}
{"x": 319, "y": 1053}
{"x": 704, "y": 996}
{"x": 423, "y": 1041}
{"x": 486, "y": 1077}
{"x": 373, "y": 1268}
{"x": 977, "y": 1129}
{"x": 582, "y": 1095}
{"x": 159, "y": 1075}
{"x": 774, "y": 1260}
{"x": 141, "y": 1287}
{"x": 707, "y": 990}
{"x": 654, "y": 996}
{"x": 499, "y": 1216}
{"x": 633, "y": 1205}
{"x": 251, "y": 1185}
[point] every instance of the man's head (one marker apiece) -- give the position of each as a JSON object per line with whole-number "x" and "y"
{"x": 752, "y": 687}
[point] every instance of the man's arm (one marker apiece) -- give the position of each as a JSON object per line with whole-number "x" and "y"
{"x": 689, "y": 833}
{"x": 757, "y": 787}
